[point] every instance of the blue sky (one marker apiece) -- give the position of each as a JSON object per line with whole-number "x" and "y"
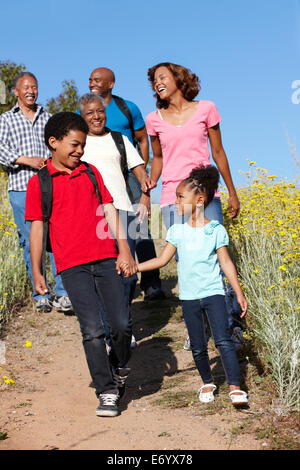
{"x": 246, "y": 54}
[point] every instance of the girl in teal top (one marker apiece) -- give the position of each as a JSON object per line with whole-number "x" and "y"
{"x": 201, "y": 245}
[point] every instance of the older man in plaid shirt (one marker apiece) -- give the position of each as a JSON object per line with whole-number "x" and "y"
{"x": 23, "y": 152}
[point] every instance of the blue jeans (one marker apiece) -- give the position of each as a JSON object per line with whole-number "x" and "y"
{"x": 87, "y": 285}
{"x": 215, "y": 309}
{"x": 143, "y": 245}
{"x": 17, "y": 201}
{"x": 213, "y": 212}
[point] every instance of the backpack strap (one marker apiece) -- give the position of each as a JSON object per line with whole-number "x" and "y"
{"x": 120, "y": 144}
{"x": 46, "y": 187}
{"x": 93, "y": 179}
{"x": 125, "y": 110}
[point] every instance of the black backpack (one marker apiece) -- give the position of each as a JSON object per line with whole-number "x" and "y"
{"x": 126, "y": 111}
{"x": 46, "y": 187}
{"x": 119, "y": 141}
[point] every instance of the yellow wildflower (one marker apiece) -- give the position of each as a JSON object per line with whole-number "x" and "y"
{"x": 282, "y": 268}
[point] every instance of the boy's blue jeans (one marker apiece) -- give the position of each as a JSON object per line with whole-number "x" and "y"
{"x": 17, "y": 201}
{"x": 215, "y": 309}
{"x": 88, "y": 285}
{"x": 213, "y": 212}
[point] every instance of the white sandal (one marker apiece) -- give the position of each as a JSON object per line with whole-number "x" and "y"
{"x": 238, "y": 397}
{"x": 207, "y": 397}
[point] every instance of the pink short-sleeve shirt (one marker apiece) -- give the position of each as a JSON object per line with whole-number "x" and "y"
{"x": 183, "y": 147}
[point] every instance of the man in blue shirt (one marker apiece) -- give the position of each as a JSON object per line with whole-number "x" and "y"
{"x": 101, "y": 82}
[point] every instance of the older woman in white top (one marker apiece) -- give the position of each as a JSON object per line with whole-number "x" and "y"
{"x": 102, "y": 152}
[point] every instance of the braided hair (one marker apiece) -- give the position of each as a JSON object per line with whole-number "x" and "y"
{"x": 204, "y": 179}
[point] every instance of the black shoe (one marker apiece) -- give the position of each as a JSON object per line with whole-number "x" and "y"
{"x": 154, "y": 293}
{"x": 120, "y": 375}
{"x": 109, "y": 403}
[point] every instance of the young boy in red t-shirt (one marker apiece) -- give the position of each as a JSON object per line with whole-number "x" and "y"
{"x": 85, "y": 253}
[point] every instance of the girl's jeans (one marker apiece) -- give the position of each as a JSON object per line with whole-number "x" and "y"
{"x": 215, "y": 309}
{"x": 213, "y": 212}
{"x": 87, "y": 285}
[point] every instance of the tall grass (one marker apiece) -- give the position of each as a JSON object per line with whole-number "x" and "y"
{"x": 265, "y": 245}
{"x": 14, "y": 286}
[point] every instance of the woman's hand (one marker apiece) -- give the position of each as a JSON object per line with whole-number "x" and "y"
{"x": 243, "y": 304}
{"x": 233, "y": 206}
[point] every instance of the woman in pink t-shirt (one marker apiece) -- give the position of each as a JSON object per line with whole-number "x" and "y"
{"x": 179, "y": 131}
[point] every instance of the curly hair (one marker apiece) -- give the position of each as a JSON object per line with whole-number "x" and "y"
{"x": 187, "y": 82}
{"x": 204, "y": 179}
{"x": 60, "y": 124}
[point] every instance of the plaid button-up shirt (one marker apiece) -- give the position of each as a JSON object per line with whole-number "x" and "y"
{"x": 19, "y": 136}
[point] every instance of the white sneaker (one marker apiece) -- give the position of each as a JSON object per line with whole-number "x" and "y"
{"x": 133, "y": 342}
{"x": 62, "y": 303}
{"x": 120, "y": 375}
{"x": 44, "y": 305}
{"x": 109, "y": 404}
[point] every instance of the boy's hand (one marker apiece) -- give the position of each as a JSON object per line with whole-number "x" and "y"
{"x": 126, "y": 264}
{"x": 243, "y": 304}
{"x": 40, "y": 285}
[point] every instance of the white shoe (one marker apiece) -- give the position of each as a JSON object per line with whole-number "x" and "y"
{"x": 238, "y": 397}
{"x": 133, "y": 342}
{"x": 62, "y": 303}
{"x": 187, "y": 344}
{"x": 207, "y": 397}
{"x": 44, "y": 305}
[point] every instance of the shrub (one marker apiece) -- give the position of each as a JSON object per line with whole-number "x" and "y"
{"x": 14, "y": 285}
{"x": 265, "y": 246}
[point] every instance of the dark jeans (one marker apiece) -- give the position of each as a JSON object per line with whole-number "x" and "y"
{"x": 215, "y": 309}
{"x": 86, "y": 285}
{"x": 143, "y": 245}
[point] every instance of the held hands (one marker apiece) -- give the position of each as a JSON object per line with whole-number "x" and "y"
{"x": 147, "y": 184}
{"x": 125, "y": 264}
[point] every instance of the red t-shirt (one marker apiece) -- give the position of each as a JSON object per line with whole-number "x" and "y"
{"x": 79, "y": 233}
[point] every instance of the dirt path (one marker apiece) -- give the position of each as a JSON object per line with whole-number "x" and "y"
{"x": 51, "y": 405}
